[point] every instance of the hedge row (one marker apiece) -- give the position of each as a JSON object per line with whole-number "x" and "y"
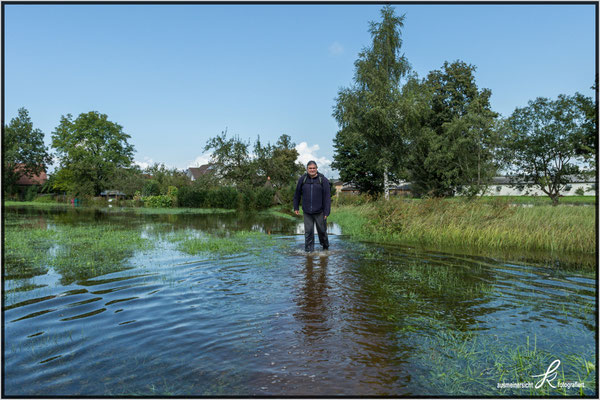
{"x": 226, "y": 197}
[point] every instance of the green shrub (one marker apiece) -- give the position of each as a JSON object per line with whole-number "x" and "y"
{"x": 46, "y": 198}
{"x": 247, "y": 198}
{"x": 344, "y": 199}
{"x": 225, "y": 197}
{"x": 31, "y": 193}
{"x": 264, "y": 197}
{"x": 151, "y": 188}
{"x": 286, "y": 195}
{"x": 162, "y": 201}
{"x": 192, "y": 197}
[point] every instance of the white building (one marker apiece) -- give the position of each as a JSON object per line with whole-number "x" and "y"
{"x": 501, "y": 186}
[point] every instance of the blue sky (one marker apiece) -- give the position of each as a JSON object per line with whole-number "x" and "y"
{"x": 175, "y": 75}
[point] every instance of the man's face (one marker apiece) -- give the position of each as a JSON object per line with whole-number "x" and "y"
{"x": 312, "y": 170}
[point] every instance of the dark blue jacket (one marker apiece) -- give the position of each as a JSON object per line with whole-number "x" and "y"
{"x": 316, "y": 197}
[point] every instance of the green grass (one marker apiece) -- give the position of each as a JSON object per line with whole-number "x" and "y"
{"x": 463, "y": 364}
{"x": 281, "y": 212}
{"x": 78, "y": 252}
{"x": 34, "y": 204}
{"x": 92, "y": 250}
{"x": 481, "y": 224}
{"x": 26, "y": 249}
{"x": 222, "y": 244}
{"x": 137, "y": 210}
{"x": 144, "y": 210}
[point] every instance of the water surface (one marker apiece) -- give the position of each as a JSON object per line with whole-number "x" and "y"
{"x": 360, "y": 319}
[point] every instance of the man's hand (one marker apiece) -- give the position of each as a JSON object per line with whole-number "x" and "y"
{"x": 325, "y": 217}
{"x": 297, "y": 212}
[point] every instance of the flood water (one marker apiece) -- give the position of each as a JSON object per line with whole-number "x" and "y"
{"x": 360, "y": 319}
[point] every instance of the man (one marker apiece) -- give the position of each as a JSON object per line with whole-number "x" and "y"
{"x": 314, "y": 189}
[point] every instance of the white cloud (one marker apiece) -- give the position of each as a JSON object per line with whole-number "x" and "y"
{"x": 336, "y": 49}
{"x": 307, "y": 153}
{"x": 144, "y": 164}
{"x": 200, "y": 160}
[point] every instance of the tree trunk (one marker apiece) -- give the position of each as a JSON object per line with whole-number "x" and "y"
{"x": 386, "y": 188}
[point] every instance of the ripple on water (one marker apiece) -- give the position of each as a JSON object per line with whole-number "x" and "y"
{"x": 356, "y": 320}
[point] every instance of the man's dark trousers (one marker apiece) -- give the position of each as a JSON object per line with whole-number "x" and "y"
{"x": 309, "y": 231}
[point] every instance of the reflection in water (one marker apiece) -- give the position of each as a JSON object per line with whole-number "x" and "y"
{"x": 357, "y": 320}
{"x": 313, "y": 300}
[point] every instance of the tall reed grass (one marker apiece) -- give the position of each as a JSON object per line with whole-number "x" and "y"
{"x": 493, "y": 224}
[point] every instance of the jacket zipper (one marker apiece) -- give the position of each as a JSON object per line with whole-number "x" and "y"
{"x": 311, "y": 196}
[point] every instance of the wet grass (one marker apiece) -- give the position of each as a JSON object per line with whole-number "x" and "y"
{"x": 35, "y": 204}
{"x": 77, "y": 252}
{"x": 92, "y": 250}
{"x": 280, "y": 212}
{"x": 461, "y": 364}
{"x": 429, "y": 303}
{"x": 146, "y": 211}
{"x": 26, "y": 250}
{"x": 223, "y": 243}
{"x": 477, "y": 224}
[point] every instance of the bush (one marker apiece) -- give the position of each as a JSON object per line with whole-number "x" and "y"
{"x": 31, "y": 193}
{"x": 247, "y": 198}
{"x": 264, "y": 197}
{"x": 225, "y": 197}
{"x": 580, "y": 192}
{"x": 193, "y": 197}
{"x": 46, "y": 198}
{"x": 286, "y": 195}
{"x": 151, "y": 188}
{"x": 344, "y": 199}
{"x": 162, "y": 201}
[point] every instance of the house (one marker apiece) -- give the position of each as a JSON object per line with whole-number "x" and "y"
{"x": 396, "y": 188}
{"x": 337, "y": 184}
{"x": 501, "y": 186}
{"x": 196, "y": 172}
{"x": 25, "y": 180}
{"x": 109, "y": 194}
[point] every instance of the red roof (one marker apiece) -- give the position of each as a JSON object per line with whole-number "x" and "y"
{"x": 199, "y": 171}
{"x": 38, "y": 179}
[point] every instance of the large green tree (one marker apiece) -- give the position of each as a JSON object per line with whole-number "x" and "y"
{"x": 542, "y": 143}
{"x": 453, "y": 140}
{"x": 24, "y": 151}
{"x": 91, "y": 150}
{"x": 587, "y": 146}
{"x": 230, "y": 159}
{"x": 370, "y": 107}
{"x": 166, "y": 177}
{"x": 277, "y": 162}
{"x": 356, "y": 162}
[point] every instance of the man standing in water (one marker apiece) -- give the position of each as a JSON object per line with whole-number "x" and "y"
{"x": 314, "y": 189}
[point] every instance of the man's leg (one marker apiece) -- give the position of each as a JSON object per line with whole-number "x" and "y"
{"x": 322, "y": 230}
{"x": 309, "y": 232}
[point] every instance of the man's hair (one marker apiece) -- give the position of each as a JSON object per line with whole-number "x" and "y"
{"x": 311, "y": 162}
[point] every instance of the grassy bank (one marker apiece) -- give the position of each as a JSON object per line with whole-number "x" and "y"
{"x": 480, "y": 223}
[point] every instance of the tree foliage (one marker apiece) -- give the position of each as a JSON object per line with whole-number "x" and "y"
{"x": 161, "y": 178}
{"x": 451, "y": 129}
{"x": 91, "y": 150}
{"x": 277, "y": 162}
{"x": 24, "y": 151}
{"x": 369, "y": 108}
{"x": 542, "y": 143}
{"x": 587, "y": 146}
{"x": 230, "y": 159}
{"x": 234, "y": 165}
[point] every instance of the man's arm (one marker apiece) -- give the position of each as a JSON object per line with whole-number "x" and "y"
{"x": 326, "y": 198}
{"x": 297, "y": 195}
